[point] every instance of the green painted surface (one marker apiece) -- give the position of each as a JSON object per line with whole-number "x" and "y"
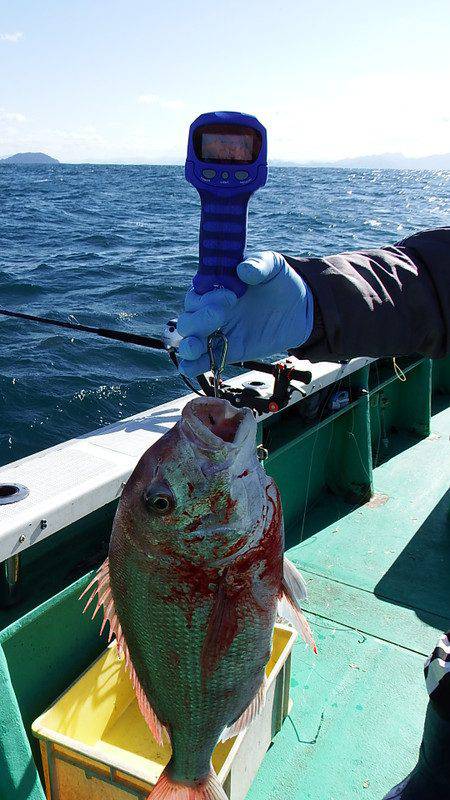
{"x": 377, "y": 575}
{"x": 42, "y": 654}
{"x": 348, "y": 734}
{"x": 379, "y": 597}
{"x": 393, "y": 548}
{"x": 18, "y": 774}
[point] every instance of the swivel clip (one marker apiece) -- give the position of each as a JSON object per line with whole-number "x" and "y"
{"x": 217, "y": 351}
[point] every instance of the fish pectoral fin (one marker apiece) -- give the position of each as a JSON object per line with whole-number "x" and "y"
{"x": 294, "y": 581}
{"x": 221, "y": 629}
{"x": 253, "y": 710}
{"x": 101, "y": 588}
{"x": 289, "y": 604}
{"x": 209, "y": 788}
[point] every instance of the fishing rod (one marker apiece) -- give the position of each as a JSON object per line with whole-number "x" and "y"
{"x": 254, "y": 395}
{"x": 226, "y": 162}
{"x": 106, "y": 333}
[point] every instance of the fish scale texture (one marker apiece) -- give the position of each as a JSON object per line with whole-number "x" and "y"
{"x": 166, "y": 642}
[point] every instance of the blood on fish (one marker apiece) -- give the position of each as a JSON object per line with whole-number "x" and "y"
{"x": 236, "y": 547}
{"x": 194, "y": 539}
{"x": 267, "y": 552}
{"x": 194, "y": 584}
{"x": 243, "y": 474}
{"x": 235, "y": 600}
{"x": 194, "y": 524}
{"x": 230, "y": 505}
{"x": 219, "y": 537}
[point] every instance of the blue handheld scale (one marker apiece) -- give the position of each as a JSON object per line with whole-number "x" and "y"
{"x": 226, "y": 162}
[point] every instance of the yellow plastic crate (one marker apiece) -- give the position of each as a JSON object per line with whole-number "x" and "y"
{"x": 95, "y": 744}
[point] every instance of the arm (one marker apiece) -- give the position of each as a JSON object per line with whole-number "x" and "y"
{"x": 386, "y": 302}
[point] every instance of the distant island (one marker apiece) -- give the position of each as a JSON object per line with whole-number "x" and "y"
{"x": 29, "y": 158}
{"x": 380, "y": 161}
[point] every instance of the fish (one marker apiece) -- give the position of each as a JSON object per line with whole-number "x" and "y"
{"x": 192, "y": 586}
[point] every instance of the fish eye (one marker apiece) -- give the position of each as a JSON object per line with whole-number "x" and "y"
{"x": 159, "y": 502}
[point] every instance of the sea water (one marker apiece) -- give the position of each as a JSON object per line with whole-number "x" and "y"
{"x": 116, "y": 246}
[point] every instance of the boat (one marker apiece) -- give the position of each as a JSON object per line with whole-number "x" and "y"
{"x": 360, "y": 455}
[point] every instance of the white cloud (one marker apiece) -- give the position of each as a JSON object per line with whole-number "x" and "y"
{"x": 13, "y": 38}
{"x": 11, "y": 116}
{"x": 156, "y": 100}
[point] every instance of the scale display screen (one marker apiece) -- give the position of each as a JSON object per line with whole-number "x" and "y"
{"x": 227, "y": 144}
{"x": 227, "y": 147}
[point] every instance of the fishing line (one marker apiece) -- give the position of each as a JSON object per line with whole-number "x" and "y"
{"x": 352, "y": 435}
{"x": 379, "y": 412}
{"x": 316, "y": 435}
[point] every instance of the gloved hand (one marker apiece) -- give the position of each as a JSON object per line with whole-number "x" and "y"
{"x": 274, "y": 314}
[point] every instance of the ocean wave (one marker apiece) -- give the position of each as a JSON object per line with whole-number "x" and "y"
{"x": 102, "y": 239}
{"x": 21, "y": 290}
{"x": 373, "y": 223}
{"x": 117, "y": 246}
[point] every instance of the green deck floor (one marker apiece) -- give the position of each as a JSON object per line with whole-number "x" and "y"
{"x": 379, "y": 596}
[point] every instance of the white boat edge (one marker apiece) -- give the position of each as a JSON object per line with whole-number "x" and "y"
{"x": 77, "y": 477}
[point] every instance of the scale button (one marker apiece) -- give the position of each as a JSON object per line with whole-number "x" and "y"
{"x": 241, "y": 175}
{"x": 209, "y": 173}
{"x": 225, "y": 176}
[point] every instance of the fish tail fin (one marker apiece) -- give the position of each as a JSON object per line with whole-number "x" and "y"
{"x": 208, "y": 789}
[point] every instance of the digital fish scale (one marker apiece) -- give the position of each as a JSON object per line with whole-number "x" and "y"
{"x": 227, "y": 163}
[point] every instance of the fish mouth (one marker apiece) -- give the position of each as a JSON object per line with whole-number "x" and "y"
{"x": 215, "y": 422}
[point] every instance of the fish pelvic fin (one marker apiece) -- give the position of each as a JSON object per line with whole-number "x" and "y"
{"x": 209, "y": 788}
{"x": 289, "y": 604}
{"x": 251, "y": 712}
{"x": 101, "y": 591}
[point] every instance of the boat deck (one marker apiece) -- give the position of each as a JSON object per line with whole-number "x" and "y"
{"x": 377, "y": 573}
{"x": 379, "y": 596}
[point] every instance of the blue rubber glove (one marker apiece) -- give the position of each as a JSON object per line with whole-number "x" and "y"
{"x": 274, "y": 314}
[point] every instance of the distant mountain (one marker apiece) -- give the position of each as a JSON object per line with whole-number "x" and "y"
{"x": 380, "y": 161}
{"x": 29, "y": 158}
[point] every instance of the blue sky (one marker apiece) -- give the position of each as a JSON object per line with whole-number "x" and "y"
{"x": 106, "y": 80}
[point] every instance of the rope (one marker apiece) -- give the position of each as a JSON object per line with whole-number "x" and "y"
{"x": 398, "y": 371}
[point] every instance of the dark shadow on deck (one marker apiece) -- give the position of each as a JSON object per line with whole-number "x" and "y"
{"x": 325, "y": 510}
{"x": 420, "y": 577}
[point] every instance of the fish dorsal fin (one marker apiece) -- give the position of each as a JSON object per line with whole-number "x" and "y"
{"x": 253, "y": 709}
{"x": 289, "y": 604}
{"x": 101, "y": 588}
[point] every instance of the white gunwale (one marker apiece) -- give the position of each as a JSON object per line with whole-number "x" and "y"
{"x": 77, "y": 477}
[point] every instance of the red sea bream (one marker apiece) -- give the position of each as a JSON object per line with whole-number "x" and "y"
{"x": 192, "y": 586}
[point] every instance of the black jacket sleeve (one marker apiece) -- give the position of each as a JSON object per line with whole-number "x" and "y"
{"x": 391, "y": 301}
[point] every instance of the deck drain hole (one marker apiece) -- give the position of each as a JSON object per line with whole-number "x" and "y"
{"x": 12, "y": 493}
